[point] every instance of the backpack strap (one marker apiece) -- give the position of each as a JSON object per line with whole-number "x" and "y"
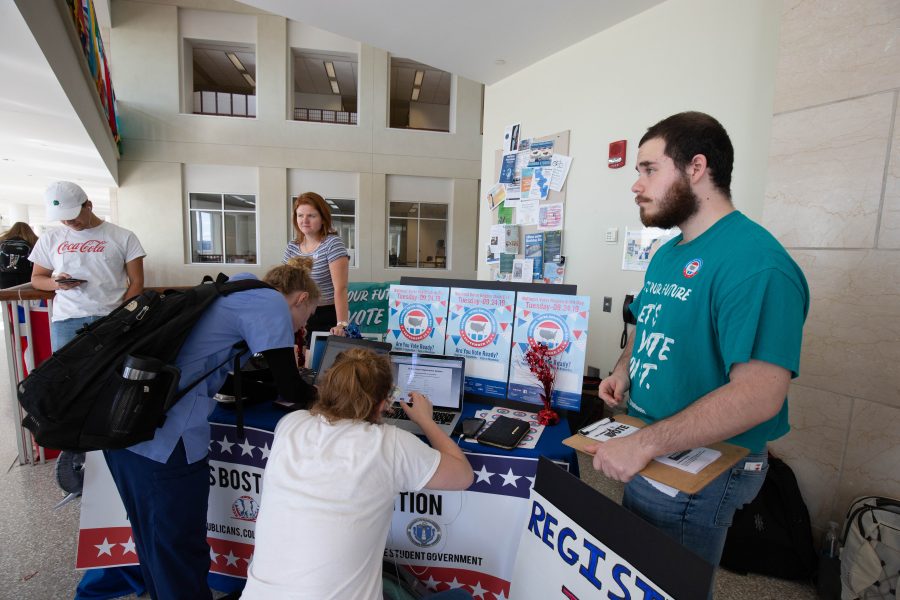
{"x": 240, "y": 346}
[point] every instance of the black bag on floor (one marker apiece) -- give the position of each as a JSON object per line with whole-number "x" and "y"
{"x": 772, "y": 535}
{"x": 111, "y": 386}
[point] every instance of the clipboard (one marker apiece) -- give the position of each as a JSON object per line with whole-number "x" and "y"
{"x": 676, "y": 478}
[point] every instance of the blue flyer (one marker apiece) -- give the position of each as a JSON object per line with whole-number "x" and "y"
{"x": 541, "y": 154}
{"x": 479, "y": 328}
{"x": 534, "y": 249}
{"x": 508, "y": 170}
{"x": 560, "y": 322}
{"x": 418, "y": 318}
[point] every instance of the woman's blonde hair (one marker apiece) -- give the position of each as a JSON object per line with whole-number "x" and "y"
{"x": 317, "y": 202}
{"x": 21, "y": 231}
{"x": 354, "y": 386}
{"x": 294, "y": 276}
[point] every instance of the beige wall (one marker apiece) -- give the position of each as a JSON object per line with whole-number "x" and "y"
{"x": 833, "y": 199}
{"x": 158, "y": 139}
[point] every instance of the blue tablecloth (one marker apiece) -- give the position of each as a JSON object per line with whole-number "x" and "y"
{"x": 265, "y": 416}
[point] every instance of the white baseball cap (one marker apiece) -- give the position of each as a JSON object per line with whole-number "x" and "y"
{"x": 64, "y": 200}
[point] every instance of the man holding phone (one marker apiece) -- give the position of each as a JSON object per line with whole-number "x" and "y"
{"x": 92, "y": 265}
{"x": 107, "y": 259}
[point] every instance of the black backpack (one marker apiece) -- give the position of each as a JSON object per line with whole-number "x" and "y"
{"x": 14, "y": 256}
{"x": 78, "y": 399}
{"x": 772, "y": 535}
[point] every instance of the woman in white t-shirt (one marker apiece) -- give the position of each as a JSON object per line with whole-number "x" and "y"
{"x": 330, "y": 484}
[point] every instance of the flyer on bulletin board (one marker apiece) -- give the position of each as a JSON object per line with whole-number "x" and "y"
{"x": 418, "y": 318}
{"x": 561, "y": 323}
{"x": 479, "y": 328}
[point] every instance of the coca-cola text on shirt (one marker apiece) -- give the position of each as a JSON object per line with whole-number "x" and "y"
{"x": 85, "y": 246}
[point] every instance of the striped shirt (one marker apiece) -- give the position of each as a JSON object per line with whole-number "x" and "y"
{"x": 331, "y": 249}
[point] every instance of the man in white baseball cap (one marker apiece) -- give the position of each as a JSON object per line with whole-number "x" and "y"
{"x": 65, "y": 201}
{"x": 92, "y": 265}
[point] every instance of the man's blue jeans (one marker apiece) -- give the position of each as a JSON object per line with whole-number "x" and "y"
{"x": 699, "y": 521}
{"x": 62, "y": 332}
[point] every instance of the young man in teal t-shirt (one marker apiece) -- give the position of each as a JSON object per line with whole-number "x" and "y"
{"x": 719, "y": 327}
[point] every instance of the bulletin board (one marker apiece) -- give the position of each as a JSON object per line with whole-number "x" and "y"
{"x": 526, "y": 235}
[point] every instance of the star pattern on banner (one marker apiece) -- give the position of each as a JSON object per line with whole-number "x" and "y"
{"x": 105, "y": 547}
{"x": 229, "y": 557}
{"x": 247, "y": 448}
{"x": 509, "y": 472}
{"x": 480, "y": 585}
{"x": 225, "y": 444}
{"x": 129, "y": 547}
{"x": 255, "y": 446}
{"x": 484, "y": 475}
{"x": 510, "y": 478}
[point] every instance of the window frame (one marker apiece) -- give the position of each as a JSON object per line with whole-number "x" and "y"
{"x": 419, "y": 219}
{"x": 222, "y": 213}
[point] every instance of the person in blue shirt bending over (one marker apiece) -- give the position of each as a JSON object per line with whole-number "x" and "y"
{"x": 719, "y": 326}
{"x": 164, "y": 482}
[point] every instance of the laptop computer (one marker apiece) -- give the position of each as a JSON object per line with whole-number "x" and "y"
{"x": 440, "y": 378}
{"x": 334, "y": 345}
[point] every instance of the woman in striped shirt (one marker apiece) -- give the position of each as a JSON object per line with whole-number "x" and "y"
{"x": 315, "y": 238}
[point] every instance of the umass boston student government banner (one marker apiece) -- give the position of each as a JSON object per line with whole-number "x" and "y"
{"x": 578, "y": 544}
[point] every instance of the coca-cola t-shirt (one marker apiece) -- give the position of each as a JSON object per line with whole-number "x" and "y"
{"x": 97, "y": 255}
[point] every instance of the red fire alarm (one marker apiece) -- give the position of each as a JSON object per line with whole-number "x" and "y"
{"x": 617, "y": 154}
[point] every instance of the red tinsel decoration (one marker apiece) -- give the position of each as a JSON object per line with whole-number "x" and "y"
{"x": 543, "y": 367}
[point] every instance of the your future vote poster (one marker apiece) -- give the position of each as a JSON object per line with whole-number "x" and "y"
{"x": 561, "y": 323}
{"x": 418, "y": 318}
{"x": 479, "y": 328}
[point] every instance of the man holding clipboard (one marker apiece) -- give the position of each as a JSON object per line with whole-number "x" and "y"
{"x": 719, "y": 328}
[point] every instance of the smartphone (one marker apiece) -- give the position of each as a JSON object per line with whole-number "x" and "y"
{"x": 471, "y": 427}
{"x": 71, "y": 280}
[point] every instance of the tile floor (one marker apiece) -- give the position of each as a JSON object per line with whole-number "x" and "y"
{"x": 37, "y": 552}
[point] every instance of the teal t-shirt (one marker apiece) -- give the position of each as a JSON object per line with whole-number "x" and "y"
{"x": 730, "y": 295}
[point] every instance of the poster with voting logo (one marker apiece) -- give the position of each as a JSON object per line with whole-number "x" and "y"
{"x": 418, "y": 318}
{"x": 479, "y": 328}
{"x": 561, "y": 323}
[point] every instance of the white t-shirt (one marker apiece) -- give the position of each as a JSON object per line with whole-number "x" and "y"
{"x": 97, "y": 255}
{"x": 326, "y": 506}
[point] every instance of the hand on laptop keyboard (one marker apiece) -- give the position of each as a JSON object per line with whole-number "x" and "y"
{"x": 418, "y": 408}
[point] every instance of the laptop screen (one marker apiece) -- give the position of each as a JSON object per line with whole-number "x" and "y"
{"x": 440, "y": 378}
{"x": 317, "y": 349}
{"x": 336, "y": 344}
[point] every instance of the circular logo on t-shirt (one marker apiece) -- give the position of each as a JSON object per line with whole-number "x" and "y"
{"x": 551, "y": 331}
{"x": 692, "y": 267}
{"x": 478, "y": 328}
{"x": 415, "y": 322}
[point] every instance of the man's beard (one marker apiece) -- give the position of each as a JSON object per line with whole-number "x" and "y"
{"x": 678, "y": 205}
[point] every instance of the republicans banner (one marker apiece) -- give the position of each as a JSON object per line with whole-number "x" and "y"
{"x": 468, "y": 539}
{"x": 418, "y": 318}
{"x": 479, "y": 328}
{"x": 561, "y": 323}
{"x": 578, "y": 544}
{"x": 235, "y": 485}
